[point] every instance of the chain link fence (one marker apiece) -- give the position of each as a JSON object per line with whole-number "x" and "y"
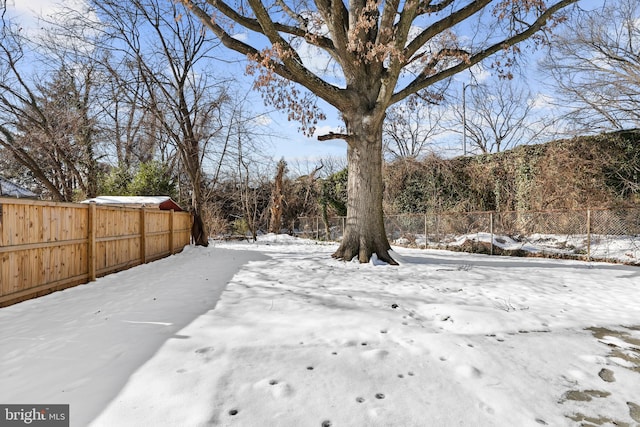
{"x": 593, "y": 234}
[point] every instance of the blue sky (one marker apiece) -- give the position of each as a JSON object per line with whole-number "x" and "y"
{"x": 285, "y": 140}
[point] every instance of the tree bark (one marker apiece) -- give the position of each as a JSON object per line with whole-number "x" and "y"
{"x": 277, "y": 199}
{"x": 364, "y": 234}
{"x": 199, "y": 231}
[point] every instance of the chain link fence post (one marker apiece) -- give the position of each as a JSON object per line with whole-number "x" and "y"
{"x": 491, "y": 232}
{"x": 588, "y": 234}
{"x": 425, "y": 231}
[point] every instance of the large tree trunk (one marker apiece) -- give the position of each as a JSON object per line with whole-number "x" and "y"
{"x": 364, "y": 234}
{"x": 199, "y": 230}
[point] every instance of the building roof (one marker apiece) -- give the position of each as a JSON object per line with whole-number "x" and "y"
{"x": 154, "y": 202}
{"x": 9, "y": 189}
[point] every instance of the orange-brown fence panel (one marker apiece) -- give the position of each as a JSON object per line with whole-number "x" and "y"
{"x": 118, "y": 238}
{"x": 47, "y": 246}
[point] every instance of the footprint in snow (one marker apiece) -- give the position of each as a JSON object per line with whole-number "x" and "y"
{"x": 488, "y": 409}
{"x": 276, "y": 388}
{"x": 205, "y": 352}
{"x": 375, "y": 354}
{"x": 468, "y": 371}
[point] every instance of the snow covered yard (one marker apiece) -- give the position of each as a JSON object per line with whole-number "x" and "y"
{"x": 299, "y": 339}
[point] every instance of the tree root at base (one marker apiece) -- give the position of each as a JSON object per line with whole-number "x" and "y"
{"x": 347, "y": 254}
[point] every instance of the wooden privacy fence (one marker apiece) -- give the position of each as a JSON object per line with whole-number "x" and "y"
{"x": 46, "y": 246}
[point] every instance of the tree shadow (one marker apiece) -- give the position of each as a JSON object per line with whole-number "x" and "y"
{"x": 476, "y": 260}
{"x": 83, "y": 344}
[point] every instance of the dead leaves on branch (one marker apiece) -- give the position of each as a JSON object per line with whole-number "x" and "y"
{"x": 516, "y": 14}
{"x": 369, "y": 42}
{"x": 283, "y": 94}
{"x": 518, "y": 9}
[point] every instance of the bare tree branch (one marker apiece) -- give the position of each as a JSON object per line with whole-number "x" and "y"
{"x": 595, "y": 64}
{"x": 332, "y": 135}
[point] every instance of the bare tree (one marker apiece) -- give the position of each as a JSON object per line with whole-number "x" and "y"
{"x": 410, "y": 128}
{"x": 253, "y": 190}
{"x": 498, "y": 116}
{"x": 46, "y": 121}
{"x": 133, "y": 131}
{"x": 595, "y": 64}
{"x": 3, "y": 10}
{"x": 383, "y": 52}
{"x": 128, "y": 132}
{"x": 181, "y": 94}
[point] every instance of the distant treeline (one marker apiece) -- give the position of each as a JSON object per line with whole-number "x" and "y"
{"x": 581, "y": 172}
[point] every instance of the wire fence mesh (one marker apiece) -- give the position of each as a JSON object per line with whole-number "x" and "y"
{"x": 594, "y": 234}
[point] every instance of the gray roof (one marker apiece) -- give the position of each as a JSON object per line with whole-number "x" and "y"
{"x": 9, "y": 189}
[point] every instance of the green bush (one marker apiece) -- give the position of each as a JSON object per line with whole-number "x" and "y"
{"x": 152, "y": 178}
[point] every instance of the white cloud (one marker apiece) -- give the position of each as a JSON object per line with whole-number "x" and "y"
{"x": 243, "y": 37}
{"x": 33, "y": 8}
{"x": 326, "y": 129}
{"x": 263, "y": 120}
{"x": 480, "y": 73}
{"x": 319, "y": 62}
{"x": 35, "y": 16}
{"x": 542, "y": 101}
{"x": 30, "y": 13}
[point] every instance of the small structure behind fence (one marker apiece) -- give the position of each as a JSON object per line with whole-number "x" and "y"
{"x": 47, "y": 246}
{"x": 601, "y": 234}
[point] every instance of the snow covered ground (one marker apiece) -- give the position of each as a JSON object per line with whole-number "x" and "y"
{"x": 299, "y": 339}
{"x": 621, "y": 249}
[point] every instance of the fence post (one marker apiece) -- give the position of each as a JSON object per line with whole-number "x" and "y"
{"x": 171, "y": 230}
{"x": 143, "y": 237}
{"x": 491, "y": 232}
{"x": 588, "y": 234}
{"x": 91, "y": 236}
{"x": 425, "y": 231}
{"x": 317, "y": 228}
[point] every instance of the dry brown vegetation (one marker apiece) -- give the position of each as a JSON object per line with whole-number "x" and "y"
{"x": 591, "y": 171}
{"x": 582, "y": 172}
